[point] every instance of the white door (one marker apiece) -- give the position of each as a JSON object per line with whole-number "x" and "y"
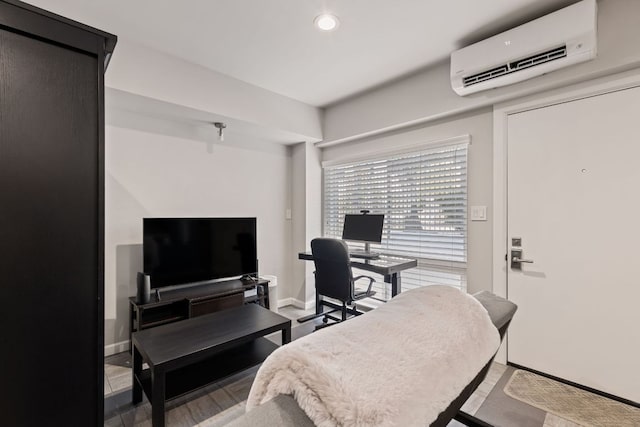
{"x": 574, "y": 200}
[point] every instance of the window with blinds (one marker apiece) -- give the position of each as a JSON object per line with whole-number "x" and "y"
{"x": 423, "y": 195}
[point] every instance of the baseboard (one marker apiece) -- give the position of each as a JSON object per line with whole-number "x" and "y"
{"x": 285, "y": 302}
{"x": 116, "y": 348}
{"x": 296, "y": 303}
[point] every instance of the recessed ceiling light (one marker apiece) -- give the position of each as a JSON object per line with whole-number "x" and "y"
{"x": 326, "y": 22}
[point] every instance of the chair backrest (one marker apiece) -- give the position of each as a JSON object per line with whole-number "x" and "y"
{"x": 334, "y": 278}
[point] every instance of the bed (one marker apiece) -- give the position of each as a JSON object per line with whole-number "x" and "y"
{"x": 288, "y": 395}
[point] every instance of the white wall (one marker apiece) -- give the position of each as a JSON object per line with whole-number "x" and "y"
{"x": 480, "y": 179}
{"x": 307, "y": 218}
{"x": 313, "y": 202}
{"x": 299, "y": 223}
{"x": 151, "y": 174}
{"x": 145, "y": 72}
{"x": 164, "y": 169}
{"x": 161, "y": 161}
{"x": 424, "y": 107}
{"x": 427, "y": 95}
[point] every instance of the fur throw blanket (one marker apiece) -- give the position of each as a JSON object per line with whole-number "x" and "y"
{"x": 398, "y": 365}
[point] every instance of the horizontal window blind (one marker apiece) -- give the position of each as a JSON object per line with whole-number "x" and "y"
{"x": 423, "y": 195}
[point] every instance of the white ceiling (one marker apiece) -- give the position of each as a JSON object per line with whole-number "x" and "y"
{"x": 273, "y": 43}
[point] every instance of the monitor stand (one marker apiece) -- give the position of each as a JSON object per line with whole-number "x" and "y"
{"x": 366, "y": 254}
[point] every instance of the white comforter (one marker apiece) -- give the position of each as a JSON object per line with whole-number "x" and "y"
{"x": 399, "y": 365}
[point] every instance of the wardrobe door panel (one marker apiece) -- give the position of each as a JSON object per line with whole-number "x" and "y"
{"x": 49, "y": 233}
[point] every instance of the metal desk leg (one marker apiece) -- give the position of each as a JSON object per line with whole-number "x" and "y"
{"x": 157, "y": 397}
{"x": 131, "y": 314}
{"x": 396, "y": 284}
{"x": 136, "y": 364}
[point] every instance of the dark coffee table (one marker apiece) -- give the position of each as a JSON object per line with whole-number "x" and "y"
{"x": 190, "y": 354}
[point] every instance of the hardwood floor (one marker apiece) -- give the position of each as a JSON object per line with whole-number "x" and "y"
{"x": 222, "y": 402}
{"x": 212, "y": 406}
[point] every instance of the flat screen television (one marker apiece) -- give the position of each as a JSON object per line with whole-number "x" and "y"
{"x": 187, "y": 250}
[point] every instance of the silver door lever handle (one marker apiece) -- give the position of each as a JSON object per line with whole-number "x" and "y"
{"x": 516, "y": 261}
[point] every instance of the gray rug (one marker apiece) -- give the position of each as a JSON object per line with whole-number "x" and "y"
{"x": 571, "y": 403}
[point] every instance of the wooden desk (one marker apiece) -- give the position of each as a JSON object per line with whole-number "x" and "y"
{"x": 186, "y": 355}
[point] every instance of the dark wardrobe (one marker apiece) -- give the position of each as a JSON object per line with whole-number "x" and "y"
{"x": 51, "y": 218}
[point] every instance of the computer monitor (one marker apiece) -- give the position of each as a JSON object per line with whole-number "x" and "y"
{"x": 363, "y": 228}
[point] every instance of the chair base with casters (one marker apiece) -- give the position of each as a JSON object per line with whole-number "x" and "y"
{"x": 345, "y": 311}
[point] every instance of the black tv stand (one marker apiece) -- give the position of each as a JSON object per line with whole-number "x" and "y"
{"x": 194, "y": 301}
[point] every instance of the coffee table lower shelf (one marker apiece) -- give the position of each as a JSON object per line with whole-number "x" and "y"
{"x": 186, "y": 355}
{"x": 220, "y": 366}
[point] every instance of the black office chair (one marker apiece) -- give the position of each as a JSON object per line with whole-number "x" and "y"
{"x": 334, "y": 278}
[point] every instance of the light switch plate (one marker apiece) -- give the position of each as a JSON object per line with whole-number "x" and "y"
{"x": 287, "y": 214}
{"x": 478, "y": 213}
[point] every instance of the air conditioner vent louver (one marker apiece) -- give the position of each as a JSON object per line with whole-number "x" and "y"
{"x": 512, "y": 67}
{"x": 541, "y": 58}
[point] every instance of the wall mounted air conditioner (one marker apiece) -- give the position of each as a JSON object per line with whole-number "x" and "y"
{"x": 557, "y": 40}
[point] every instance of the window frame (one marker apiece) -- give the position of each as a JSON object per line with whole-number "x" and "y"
{"x": 407, "y": 150}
